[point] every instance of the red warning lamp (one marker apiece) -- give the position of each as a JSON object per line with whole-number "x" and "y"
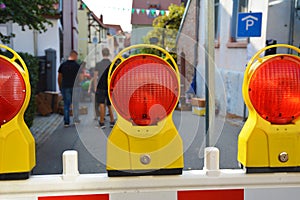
{"x": 274, "y": 89}
{"x": 269, "y": 140}
{"x": 17, "y": 147}
{"x": 12, "y": 91}
{"x": 148, "y": 92}
{"x": 144, "y": 90}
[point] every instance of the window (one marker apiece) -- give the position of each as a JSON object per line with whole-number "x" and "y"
{"x": 243, "y": 5}
{"x": 238, "y": 6}
{"x": 184, "y": 2}
{"x": 6, "y": 30}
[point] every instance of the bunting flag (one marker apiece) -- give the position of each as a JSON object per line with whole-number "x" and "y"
{"x": 147, "y": 11}
{"x": 157, "y": 12}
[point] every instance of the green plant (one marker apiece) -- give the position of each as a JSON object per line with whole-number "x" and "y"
{"x": 32, "y": 64}
{"x": 31, "y": 15}
{"x": 165, "y": 30}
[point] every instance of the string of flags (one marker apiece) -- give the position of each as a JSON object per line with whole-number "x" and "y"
{"x": 153, "y": 12}
{"x": 149, "y": 11}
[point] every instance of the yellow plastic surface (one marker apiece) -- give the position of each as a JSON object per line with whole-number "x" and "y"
{"x": 260, "y": 143}
{"x": 17, "y": 145}
{"x": 128, "y": 143}
{"x": 165, "y": 150}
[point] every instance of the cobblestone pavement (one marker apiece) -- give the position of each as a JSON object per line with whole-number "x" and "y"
{"x": 44, "y": 126}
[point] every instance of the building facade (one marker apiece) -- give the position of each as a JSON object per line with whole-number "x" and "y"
{"x": 70, "y": 27}
{"x": 92, "y": 35}
{"x": 280, "y": 22}
{"x": 144, "y": 12}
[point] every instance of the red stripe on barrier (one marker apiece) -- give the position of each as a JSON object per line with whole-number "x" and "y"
{"x": 237, "y": 194}
{"x": 77, "y": 197}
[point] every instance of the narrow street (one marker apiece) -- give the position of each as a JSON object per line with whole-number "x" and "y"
{"x": 90, "y": 142}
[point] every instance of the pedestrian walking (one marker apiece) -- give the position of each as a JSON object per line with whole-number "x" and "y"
{"x": 91, "y": 91}
{"x": 101, "y": 88}
{"x": 70, "y": 87}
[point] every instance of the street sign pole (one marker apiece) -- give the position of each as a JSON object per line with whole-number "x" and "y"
{"x": 95, "y": 42}
{"x": 209, "y": 70}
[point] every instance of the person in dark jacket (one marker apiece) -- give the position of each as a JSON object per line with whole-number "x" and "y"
{"x": 101, "y": 87}
{"x": 67, "y": 82}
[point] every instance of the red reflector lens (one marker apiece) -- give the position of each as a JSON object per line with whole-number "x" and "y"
{"x": 274, "y": 89}
{"x": 144, "y": 89}
{"x": 12, "y": 91}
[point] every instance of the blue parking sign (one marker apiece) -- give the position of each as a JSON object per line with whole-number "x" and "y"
{"x": 249, "y": 24}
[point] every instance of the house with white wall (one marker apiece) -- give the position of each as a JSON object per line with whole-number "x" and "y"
{"x": 280, "y": 22}
{"x": 30, "y": 41}
{"x": 92, "y": 35}
{"x": 59, "y": 39}
{"x": 36, "y": 44}
{"x": 119, "y": 37}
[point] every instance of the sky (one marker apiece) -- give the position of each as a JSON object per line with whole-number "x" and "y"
{"x": 113, "y": 11}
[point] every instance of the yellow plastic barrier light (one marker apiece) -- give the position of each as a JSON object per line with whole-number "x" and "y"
{"x": 17, "y": 146}
{"x": 144, "y": 90}
{"x": 270, "y": 138}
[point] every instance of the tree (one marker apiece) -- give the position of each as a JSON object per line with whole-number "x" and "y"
{"x": 30, "y": 13}
{"x": 165, "y": 28}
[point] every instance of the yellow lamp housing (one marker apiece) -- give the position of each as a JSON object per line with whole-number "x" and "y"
{"x": 144, "y": 91}
{"x": 17, "y": 146}
{"x": 269, "y": 140}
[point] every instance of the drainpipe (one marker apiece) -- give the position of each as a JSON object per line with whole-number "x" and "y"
{"x": 292, "y": 23}
{"x": 72, "y": 22}
{"x": 35, "y": 43}
{"x": 197, "y": 42}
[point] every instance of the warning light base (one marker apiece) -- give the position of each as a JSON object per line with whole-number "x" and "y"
{"x": 117, "y": 173}
{"x": 160, "y": 154}
{"x": 15, "y": 176}
{"x": 252, "y": 170}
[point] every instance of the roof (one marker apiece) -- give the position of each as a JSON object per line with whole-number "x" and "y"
{"x": 95, "y": 17}
{"x": 55, "y": 15}
{"x": 114, "y": 29}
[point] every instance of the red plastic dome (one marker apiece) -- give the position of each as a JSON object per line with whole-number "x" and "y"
{"x": 274, "y": 89}
{"x": 144, "y": 89}
{"x": 12, "y": 91}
